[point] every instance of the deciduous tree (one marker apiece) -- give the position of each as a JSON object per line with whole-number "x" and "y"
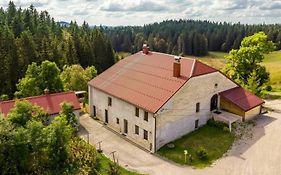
{"x": 244, "y": 63}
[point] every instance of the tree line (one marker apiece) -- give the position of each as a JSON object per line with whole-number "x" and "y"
{"x": 188, "y": 37}
{"x": 28, "y": 36}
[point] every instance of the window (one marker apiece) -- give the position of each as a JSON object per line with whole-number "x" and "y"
{"x": 109, "y": 101}
{"x": 137, "y": 112}
{"x": 197, "y": 107}
{"x": 145, "y": 134}
{"x": 117, "y": 120}
{"x": 137, "y": 129}
{"x": 196, "y": 123}
{"x": 216, "y": 85}
{"x": 145, "y": 116}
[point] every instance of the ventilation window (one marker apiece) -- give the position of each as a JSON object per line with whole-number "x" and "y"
{"x": 197, "y": 107}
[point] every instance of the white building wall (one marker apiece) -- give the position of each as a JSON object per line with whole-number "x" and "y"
{"x": 52, "y": 117}
{"x": 123, "y": 110}
{"x": 178, "y": 116}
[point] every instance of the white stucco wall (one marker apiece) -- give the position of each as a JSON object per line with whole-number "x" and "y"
{"x": 123, "y": 110}
{"x": 76, "y": 113}
{"x": 252, "y": 113}
{"x": 178, "y": 116}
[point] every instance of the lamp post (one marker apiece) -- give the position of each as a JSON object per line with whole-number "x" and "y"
{"x": 185, "y": 152}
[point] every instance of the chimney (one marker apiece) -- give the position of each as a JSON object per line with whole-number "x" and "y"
{"x": 46, "y": 91}
{"x": 145, "y": 49}
{"x": 177, "y": 67}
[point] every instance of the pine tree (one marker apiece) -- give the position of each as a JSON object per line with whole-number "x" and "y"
{"x": 27, "y": 50}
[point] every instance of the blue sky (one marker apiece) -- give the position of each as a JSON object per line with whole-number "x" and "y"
{"x": 139, "y": 12}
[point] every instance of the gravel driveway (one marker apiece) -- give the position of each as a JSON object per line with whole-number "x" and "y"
{"x": 259, "y": 155}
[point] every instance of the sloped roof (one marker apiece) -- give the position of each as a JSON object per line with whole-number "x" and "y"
{"x": 242, "y": 98}
{"x": 50, "y": 102}
{"x": 147, "y": 80}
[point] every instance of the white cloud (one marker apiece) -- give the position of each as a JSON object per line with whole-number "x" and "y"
{"x": 139, "y": 12}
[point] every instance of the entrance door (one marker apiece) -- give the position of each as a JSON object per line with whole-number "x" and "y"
{"x": 106, "y": 117}
{"x": 94, "y": 111}
{"x": 125, "y": 126}
{"x": 214, "y": 102}
{"x": 196, "y": 123}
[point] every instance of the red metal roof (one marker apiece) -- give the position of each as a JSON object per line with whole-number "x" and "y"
{"x": 147, "y": 80}
{"x": 242, "y": 98}
{"x": 50, "y": 102}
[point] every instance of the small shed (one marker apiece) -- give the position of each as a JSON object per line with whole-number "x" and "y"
{"x": 241, "y": 102}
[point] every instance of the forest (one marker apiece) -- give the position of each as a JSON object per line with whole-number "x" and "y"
{"x": 187, "y": 37}
{"x": 28, "y": 36}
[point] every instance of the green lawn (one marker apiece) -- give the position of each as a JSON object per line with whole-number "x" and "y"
{"x": 214, "y": 140}
{"x": 104, "y": 162}
{"x": 272, "y": 62}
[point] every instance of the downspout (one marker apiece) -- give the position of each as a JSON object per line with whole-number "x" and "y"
{"x": 154, "y": 133}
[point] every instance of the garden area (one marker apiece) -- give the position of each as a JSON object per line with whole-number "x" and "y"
{"x": 202, "y": 146}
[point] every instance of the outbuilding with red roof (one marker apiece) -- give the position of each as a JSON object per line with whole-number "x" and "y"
{"x": 154, "y": 98}
{"x": 49, "y": 102}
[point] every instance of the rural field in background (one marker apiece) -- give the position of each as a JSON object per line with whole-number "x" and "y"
{"x": 272, "y": 62}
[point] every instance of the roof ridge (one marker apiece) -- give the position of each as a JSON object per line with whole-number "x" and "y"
{"x": 192, "y": 68}
{"x": 172, "y": 55}
{"x": 37, "y": 96}
{"x": 151, "y": 66}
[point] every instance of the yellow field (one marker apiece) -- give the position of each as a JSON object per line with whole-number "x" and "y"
{"x": 272, "y": 63}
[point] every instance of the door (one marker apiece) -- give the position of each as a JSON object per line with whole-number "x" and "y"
{"x": 94, "y": 111}
{"x": 196, "y": 123}
{"x": 125, "y": 126}
{"x": 106, "y": 117}
{"x": 214, "y": 102}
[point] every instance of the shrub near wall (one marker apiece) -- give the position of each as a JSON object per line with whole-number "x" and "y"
{"x": 216, "y": 124}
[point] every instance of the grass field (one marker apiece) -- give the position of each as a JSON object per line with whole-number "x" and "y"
{"x": 272, "y": 62}
{"x": 214, "y": 140}
{"x": 104, "y": 162}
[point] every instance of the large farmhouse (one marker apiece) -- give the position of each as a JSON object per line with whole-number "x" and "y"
{"x": 154, "y": 98}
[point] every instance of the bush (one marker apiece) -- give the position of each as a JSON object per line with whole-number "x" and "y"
{"x": 216, "y": 124}
{"x": 268, "y": 88}
{"x": 113, "y": 169}
{"x": 202, "y": 153}
{"x": 4, "y": 97}
{"x": 225, "y": 129}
